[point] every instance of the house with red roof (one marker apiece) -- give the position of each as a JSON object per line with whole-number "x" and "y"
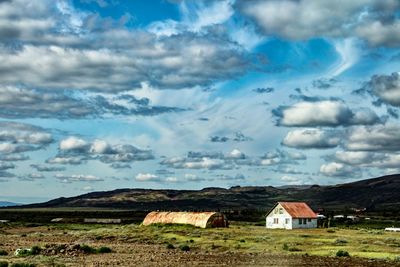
{"x": 291, "y": 215}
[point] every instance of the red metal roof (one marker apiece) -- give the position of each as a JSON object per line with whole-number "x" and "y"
{"x": 298, "y": 209}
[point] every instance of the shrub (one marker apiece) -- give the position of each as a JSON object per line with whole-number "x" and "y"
{"x": 3, "y": 264}
{"x": 104, "y": 250}
{"x": 330, "y": 231}
{"x": 23, "y": 265}
{"x": 341, "y": 241}
{"x": 294, "y": 249}
{"x": 170, "y": 246}
{"x": 87, "y": 249}
{"x": 184, "y": 248}
{"x": 3, "y": 252}
{"x": 285, "y": 247}
{"x": 342, "y": 253}
{"x": 242, "y": 240}
{"x": 35, "y": 250}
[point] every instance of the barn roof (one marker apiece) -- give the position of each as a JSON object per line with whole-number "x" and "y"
{"x": 298, "y": 209}
{"x": 199, "y": 219}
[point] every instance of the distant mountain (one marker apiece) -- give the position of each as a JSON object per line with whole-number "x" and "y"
{"x": 8, "y": 204}
{"x": 380, "y": 194}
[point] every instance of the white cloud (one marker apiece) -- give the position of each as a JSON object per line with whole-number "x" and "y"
{"x": 311, "y": 138}
{"x": 324, "y": 113}
{"x": 335, "y": 169}
{"x": 73, "y": 143}
{"x": 147, "y": 177}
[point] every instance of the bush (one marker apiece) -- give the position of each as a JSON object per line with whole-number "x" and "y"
{"x": 3, "y": 252}
{"x": 330, "y": 231}
{"x": 87, "y": 249}
{"x": 170, "y": 246}
{"x": 184, "y": 248}
{"x": 341, "y": 241}
{"x": 342, "y": 253}
{"x": 285, "y": 247}
{"x": 3, "y": 264}
{"x": 294, "y": 249}
{"x": 104, "y": 250}
{"x": 242, "y": 240}
{"x": 35, "y": 250}
{"x": 23, "y": 265}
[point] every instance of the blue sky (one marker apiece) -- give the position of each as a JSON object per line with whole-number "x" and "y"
{"x": 105, "y": 94}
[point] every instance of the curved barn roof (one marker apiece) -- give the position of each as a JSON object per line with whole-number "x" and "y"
{"x": 198, "y": 219}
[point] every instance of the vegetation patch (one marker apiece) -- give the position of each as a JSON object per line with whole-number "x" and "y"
{"x": 23, "y": 265}
{"x": 342, "y": 253}
{"x": 3, "y": 264}
{"x": 184, "y": 248}
{"x": 3, "y": 252}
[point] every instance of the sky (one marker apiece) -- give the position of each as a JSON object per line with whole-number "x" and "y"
{"x": 97, "y": 95}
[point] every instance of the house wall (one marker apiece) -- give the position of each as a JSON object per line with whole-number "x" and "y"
{"x": 281, "y": 216}
{"x": 293, "y": 223}
{"x": 296, "y": 225}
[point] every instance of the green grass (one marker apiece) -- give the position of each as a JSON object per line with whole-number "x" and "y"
{"x": 247, "y": 238}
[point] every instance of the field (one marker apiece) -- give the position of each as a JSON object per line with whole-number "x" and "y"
{"x": 242, "y": 244}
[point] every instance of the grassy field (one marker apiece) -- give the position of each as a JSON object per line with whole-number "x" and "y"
{"x": 245, "y": 243}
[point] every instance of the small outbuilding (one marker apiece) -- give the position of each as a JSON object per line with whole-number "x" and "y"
{"x": 198, "y": 219}
{"x": 291, "y": 215}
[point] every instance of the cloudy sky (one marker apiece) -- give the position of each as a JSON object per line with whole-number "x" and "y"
{"x": 105, "y": 94}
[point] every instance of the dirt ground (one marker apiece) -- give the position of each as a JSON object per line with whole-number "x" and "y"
{"x": 61, "y": 248}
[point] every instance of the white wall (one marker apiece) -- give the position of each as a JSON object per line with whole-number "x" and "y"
{"x": 281, "y": 219}
{"x": 282, "y": 216}
{"x": 312, "y": 224}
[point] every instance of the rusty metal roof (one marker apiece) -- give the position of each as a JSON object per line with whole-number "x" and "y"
{"x": 298, "y": 209}
{"x": 198, "y": 219}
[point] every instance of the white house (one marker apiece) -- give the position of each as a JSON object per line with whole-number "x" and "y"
{"x": 291, "y": 215}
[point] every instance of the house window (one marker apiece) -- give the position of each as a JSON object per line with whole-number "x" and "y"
{"x": 276, "y": 220}
{"x": 280, "y": 211}
{"x": 300, "y": 221}
{"x": 287, "y": 220}
{"x": 309, "y": 220}
{"x": 304, "y": 221}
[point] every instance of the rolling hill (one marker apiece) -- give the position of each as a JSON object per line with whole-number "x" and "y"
{"x": 382, "y": 193}
{"x": 8, "y": 204}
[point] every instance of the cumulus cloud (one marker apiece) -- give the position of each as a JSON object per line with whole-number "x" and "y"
{"x": 65, "y": 160}
{"x": 67, "y": 178}
{"x": 44, "y": 168}
{"x": 278, "y": 157}
{"x": 73, "y": 150}
{"x": 290, "y": 180}
{"x": 368, "y": 159}
{"x": 312, "y": 138}
{"x": 147, "y": 177}
{"x": 335, "y": 169}
{"x": 385, "y": 87}
{"x": 73, "y": 144}
{"x": 380, "y": 33}
{"x": 16, "y": 102}
{"x": 6, "y": 165}
{"x": 14, "y": 157}
{"x": 31, "y": 177}
{"x": 326, "y": 19}
{"x": 374, "y": 138}
{"x": 21, "y": 137}
{"x": 232, "y": 160}
{"x": 323, "y": 113}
